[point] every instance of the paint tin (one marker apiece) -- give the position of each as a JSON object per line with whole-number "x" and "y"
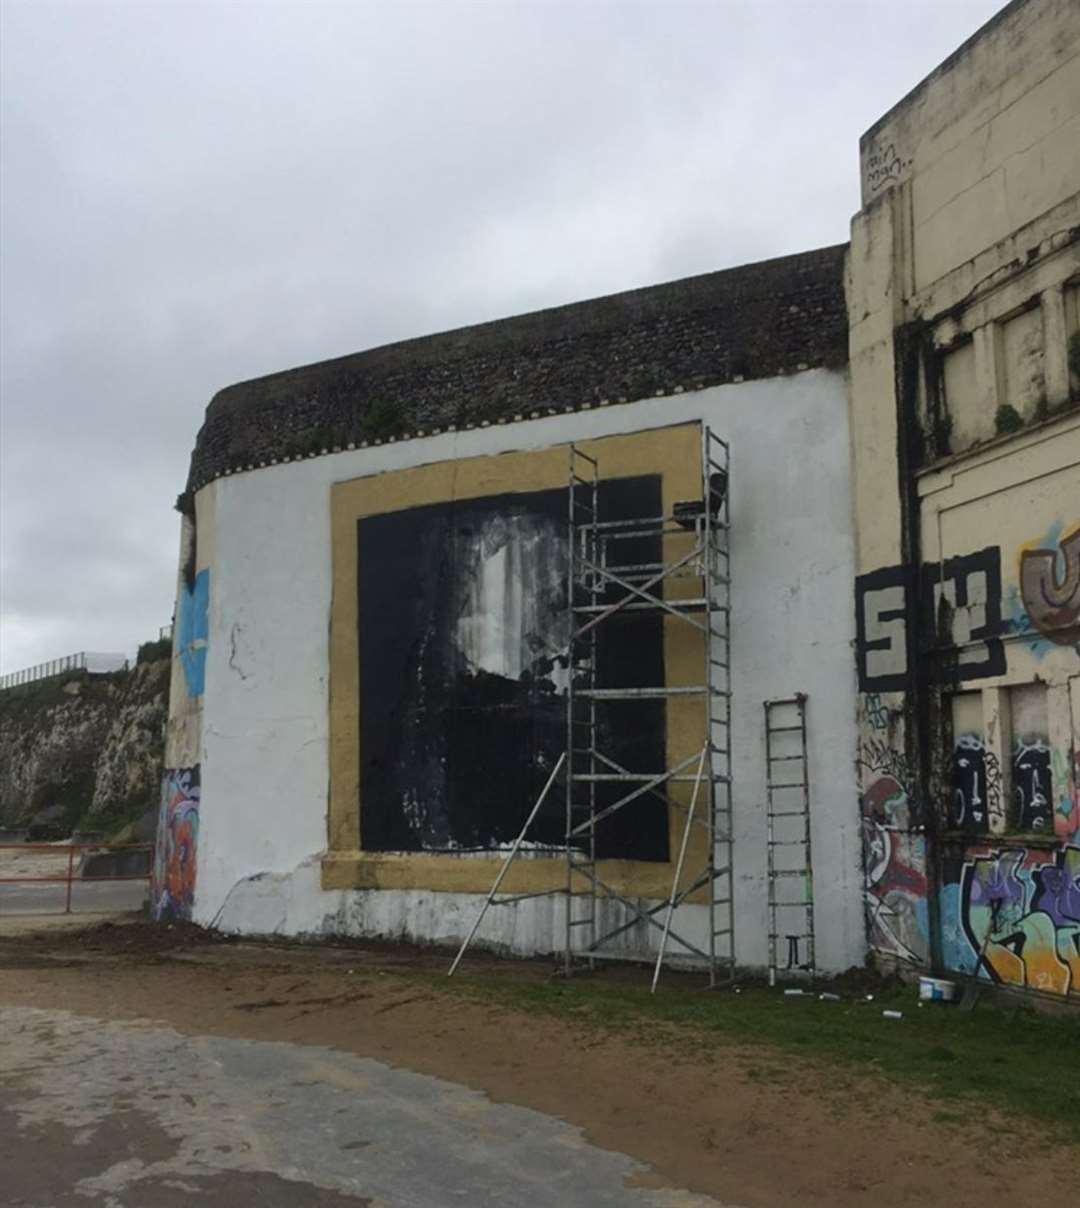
{"x": 936, "y": 989}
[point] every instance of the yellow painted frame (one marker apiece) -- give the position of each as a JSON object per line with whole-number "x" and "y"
{"x": 675, "y": 454}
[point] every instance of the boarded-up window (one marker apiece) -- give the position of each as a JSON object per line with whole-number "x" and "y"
{"x": 1032, "y": 806}
{"x": 1020, "y": 345}
{"x": 962, "y": 398}
{"x": 970, "y": 807}
{"x": 1072, "y": 336}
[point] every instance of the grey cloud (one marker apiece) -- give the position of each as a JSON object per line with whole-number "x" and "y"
{"x": 193, "y": 194}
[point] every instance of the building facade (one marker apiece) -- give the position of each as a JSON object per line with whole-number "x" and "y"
{"x": 964, "y": 281}
{"x": 373, "y": 585}
{"x": 368, "y": 690}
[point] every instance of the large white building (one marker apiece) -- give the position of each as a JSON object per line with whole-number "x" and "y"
{"x": 383, "y": 638}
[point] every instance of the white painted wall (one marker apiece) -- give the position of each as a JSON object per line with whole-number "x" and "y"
{"x": 265, "y": 770}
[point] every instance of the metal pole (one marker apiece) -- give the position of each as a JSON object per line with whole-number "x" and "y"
{"x": 678, "y": 868}
{"x": 507, "y": 862}
{"x": 70, "y": 873}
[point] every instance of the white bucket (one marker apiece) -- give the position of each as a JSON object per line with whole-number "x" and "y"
{"x": 936, "y": 989}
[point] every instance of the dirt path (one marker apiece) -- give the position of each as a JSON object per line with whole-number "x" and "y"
{"x": 754, "y": 1126}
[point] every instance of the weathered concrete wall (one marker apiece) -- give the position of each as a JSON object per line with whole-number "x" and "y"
{"x": 963, "y": 274}
{"x": 265, "y": 747}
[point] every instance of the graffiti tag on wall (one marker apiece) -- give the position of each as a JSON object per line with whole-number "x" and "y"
{"x": 1050, "y": 590}
{"x": 977, "y": 805}
{"x": 965, "y": 595}
{"x": 894, "y": 858}
{"x": 1014, "y": 917}
{"x": 173, "y": 893}
{"x": 885, "y": 166}
{"x": 1032, "y": 784}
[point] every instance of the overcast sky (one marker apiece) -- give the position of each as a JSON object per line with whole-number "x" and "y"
{"x": 195, "y": 194}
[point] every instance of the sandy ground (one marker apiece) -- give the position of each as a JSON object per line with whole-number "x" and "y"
{"x": 752, "y": 1127}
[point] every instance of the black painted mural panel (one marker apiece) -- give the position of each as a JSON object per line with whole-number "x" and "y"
{"x": 462, "y": 617}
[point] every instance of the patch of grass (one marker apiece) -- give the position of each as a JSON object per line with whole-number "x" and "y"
{"x": 1021, "y": 1062}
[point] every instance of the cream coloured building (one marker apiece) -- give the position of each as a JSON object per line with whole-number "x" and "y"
{"x": 964, "y": 309}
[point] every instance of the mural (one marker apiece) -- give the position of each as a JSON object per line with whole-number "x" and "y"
{"x": 1013, "y": 916}
{"x": 461, "y": 623}
{"x": 894, "y": 856}
{"x": 193, "y": 629}
{"x": 173, "y": 887}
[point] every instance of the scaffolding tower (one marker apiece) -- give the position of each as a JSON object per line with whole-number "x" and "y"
{"x": 684, "y": 579}
{"x": 789, "y": 865}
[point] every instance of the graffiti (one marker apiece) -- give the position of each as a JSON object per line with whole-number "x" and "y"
{"x": 894, "y": 859}
{"x": 877, "y": 714}
{"x": 173, "y": 889}
{"x": 977, "y": 803}
{"x": 877, "y": 757}
{"x": 881, "y": 609}
{"x": 962, "y": 621}
{"x": 1065, "y": 776}
{"x": 193, "y": 626}
{"x": 1050, "y": 590}
{"x": 1014, "y": 918}
{"x": 965, "y": 592}
{"x": 895, "y": 888}
{"x": 1032, "y": 784}
{"x": 884, "y": 167}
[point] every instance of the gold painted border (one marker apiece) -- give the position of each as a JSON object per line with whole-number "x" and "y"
{"x": 675, "y": 454}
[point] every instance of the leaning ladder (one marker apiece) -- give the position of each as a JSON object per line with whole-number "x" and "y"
{"x": 790, "y": 867}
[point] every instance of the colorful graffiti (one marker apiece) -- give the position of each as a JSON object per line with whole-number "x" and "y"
{"x": 173, "y": 890}
{"x": 894, "y": 857}
{"x": 1013, "y": 917}
{"x": 1050, "y": 589}
{"x": 194, "y": 628}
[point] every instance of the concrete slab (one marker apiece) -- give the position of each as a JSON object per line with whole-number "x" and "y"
{"x": 129, "y": 1114}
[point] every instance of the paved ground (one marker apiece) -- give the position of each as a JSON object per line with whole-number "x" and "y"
{"x": 128, "y": 1115}
{"x": 50, "y": 897}
{"x": 96, "y": 897}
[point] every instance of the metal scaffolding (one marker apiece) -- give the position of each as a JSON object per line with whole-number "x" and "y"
{"x": 686, "y": 582}
{"x": 676, "y": 567}
{"x": 790, "y": 868}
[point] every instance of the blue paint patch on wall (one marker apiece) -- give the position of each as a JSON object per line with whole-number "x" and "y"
{"x": 955, "y": 948}
{"x": 194, "y": 629}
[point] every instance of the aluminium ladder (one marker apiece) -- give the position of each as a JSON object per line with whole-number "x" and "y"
{"x": 789, "y": 864}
